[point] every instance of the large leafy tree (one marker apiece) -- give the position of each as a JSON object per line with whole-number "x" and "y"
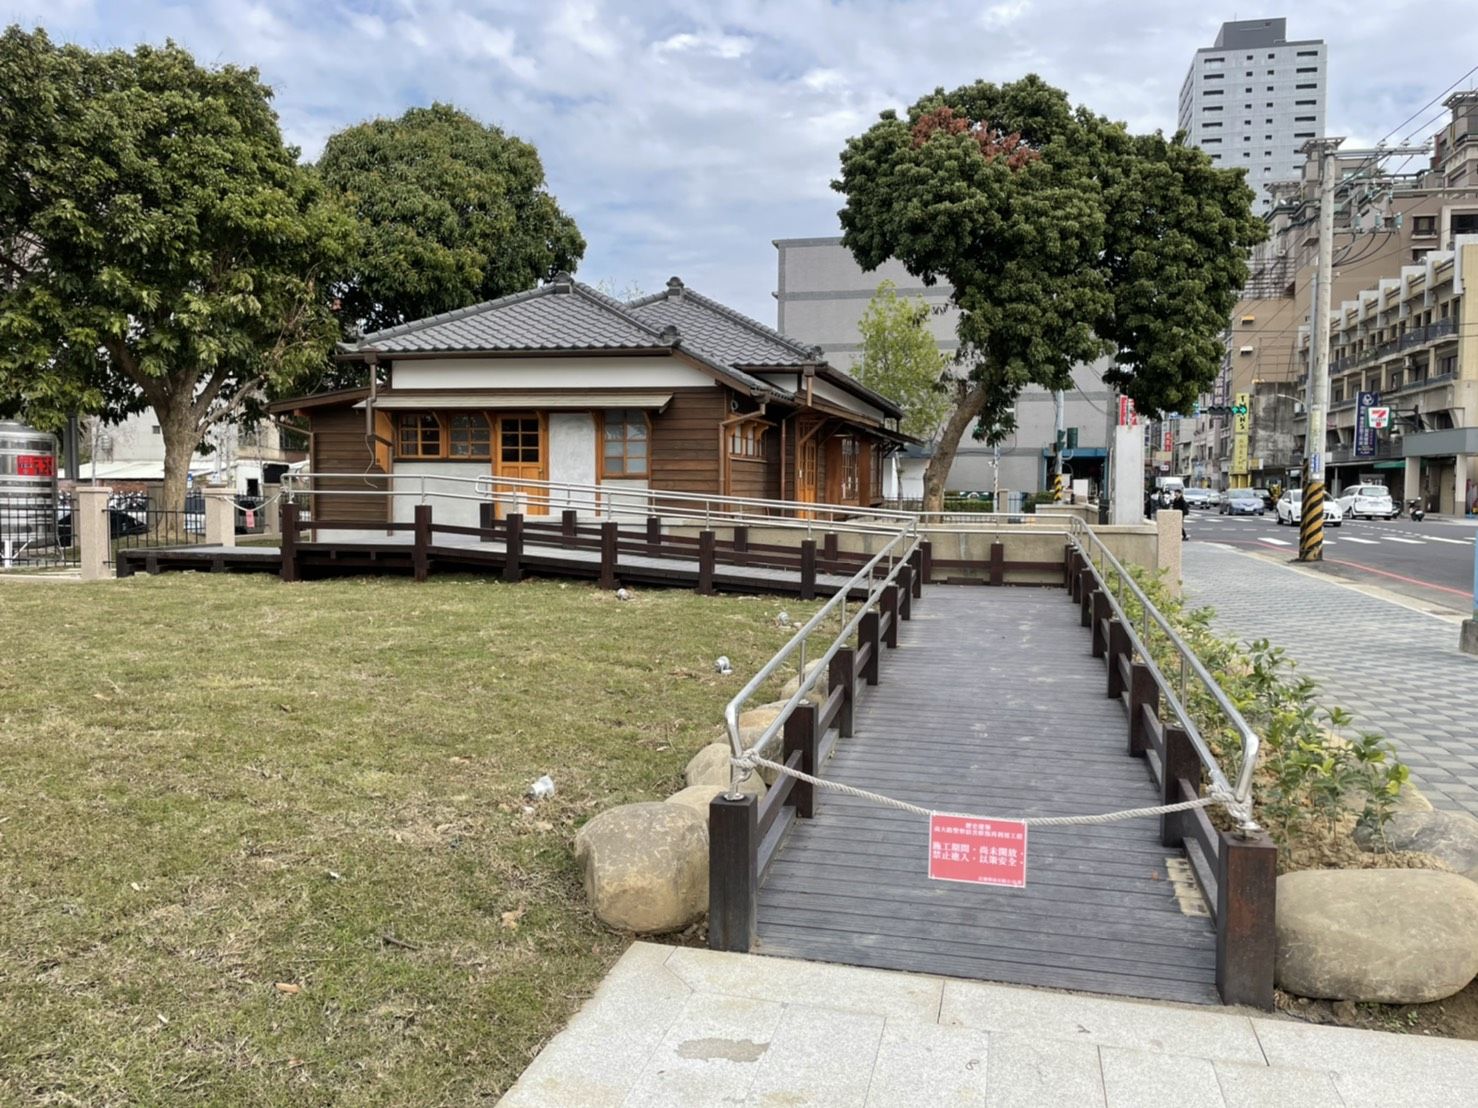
{"x": 161, "y": 246}
{"x": 454, "y": 212}
{"x": 901, "y": 360}
{"x": 1064, "y": 239}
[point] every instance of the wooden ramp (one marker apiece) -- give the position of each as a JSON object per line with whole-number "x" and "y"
{"x": 992, "y": 705}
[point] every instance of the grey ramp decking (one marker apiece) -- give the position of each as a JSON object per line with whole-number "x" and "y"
{"x": 991, "y": 705}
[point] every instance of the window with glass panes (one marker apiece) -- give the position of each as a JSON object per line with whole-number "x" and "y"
{"x": 469, "y": 435}
{"x": 747, "y": 440}
{"x": 519, "y": 439}
{"x": 624, "y": 443}
{"x": 418, "y": 435}
{"x": 850, "y": 450}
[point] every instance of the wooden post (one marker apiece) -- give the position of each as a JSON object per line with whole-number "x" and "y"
{"x": 800, "y": 734}
{"x": 916, "y": 573}
{"x": 867, "y": 635}
{"x": 741, "y": 540}
{"x": 1100, "y": 613}
{"x": 569, "y": 523}
{"x": 843, "y": 673}
{"x": 808, "y": 569}
{"x": 1143, "y": 693}
{"x": 1180, "y": 761}
{"x": 926, "y": 564}
{"x": 1085, "y": 597}
{"x": 513, "y": 548}
{"x": 421, "y": 550}
{"x": 1246, "y": 939}
{"x": 705, "y": 563}
{"x": 1067, "y": 565}
{"x": 733, "y": 872}
{"x": 288, "y": 543}
{"x": 997, "y": 564}
{"x": 905, "y": 591}
{"x": 485, "y": 522}
{"x": 888, "y": 606}
{"x": 608, "y": 537}
{"x": 654, "y": 532}
{"x": 1074, "y": 575}
{"x": 1118, "y": 647}
{"x": 829, "y": 549}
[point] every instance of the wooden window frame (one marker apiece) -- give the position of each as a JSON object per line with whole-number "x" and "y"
{"x": 643, "y": 474}
{"x": 746, "y": 441}
{"x": 448, "y": 425}
{"x": 420, "y": 454}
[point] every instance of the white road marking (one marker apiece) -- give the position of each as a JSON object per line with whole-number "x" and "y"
{"x": 1274, "y": 542}
{"x": 1365, "y": 542}
{"x": 1408, "y": 542}
{"x": 1458, "y": 542}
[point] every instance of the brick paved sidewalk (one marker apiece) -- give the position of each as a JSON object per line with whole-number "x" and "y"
{"x": 1398, "y": 670}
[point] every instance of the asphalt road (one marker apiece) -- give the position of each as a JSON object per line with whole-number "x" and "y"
{"x": 1430, "y": 561}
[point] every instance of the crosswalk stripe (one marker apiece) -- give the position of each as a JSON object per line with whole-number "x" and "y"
{"x": 1456, "y": 542}
{"x": 1363, "y": 542}
{"x": 1273, "y": 542}
{"x": 1408, "y": 542}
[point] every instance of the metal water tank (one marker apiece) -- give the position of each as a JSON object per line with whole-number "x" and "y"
{"x": 28, "y": 499}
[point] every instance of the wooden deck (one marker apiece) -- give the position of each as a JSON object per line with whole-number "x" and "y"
{"x": 992, "y": 705}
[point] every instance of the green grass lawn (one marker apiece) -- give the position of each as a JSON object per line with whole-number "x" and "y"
{"x": 267, "y": 844}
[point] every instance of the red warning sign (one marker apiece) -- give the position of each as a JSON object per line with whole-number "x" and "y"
{"x": 977, "y": 851}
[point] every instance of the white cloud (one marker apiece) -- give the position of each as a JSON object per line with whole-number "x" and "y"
{"x": 684, "y": 136}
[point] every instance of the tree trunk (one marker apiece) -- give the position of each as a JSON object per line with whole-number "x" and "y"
{"x": 181, "y": 437}
{"x": 936, "y": 473}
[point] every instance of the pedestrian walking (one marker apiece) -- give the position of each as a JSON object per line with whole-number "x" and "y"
{"x": 1179, "y": 504}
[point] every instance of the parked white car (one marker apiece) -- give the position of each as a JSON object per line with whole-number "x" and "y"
{"x": 1367, "y": 502}
{"x": 1201, "y": 498}
{"x": 1289, "y": 509}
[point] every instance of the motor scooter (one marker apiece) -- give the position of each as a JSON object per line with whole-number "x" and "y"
{"x": 1415, "y": 507}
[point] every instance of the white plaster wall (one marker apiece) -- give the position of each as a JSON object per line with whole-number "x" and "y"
{"x": 572, "y": 447}
{"x": 827, "y": 391}
{"x": 546, "y": 373}
{"x": 444, "y": 508}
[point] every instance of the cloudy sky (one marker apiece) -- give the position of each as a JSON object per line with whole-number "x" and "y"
{"x": 685, "y": 136}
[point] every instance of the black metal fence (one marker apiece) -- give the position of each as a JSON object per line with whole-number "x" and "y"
{"x": 36, "y": 532}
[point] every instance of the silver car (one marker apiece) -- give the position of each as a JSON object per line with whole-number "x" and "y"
{"x": 1242, "y": 502}
{"x": 1367, "y": 502}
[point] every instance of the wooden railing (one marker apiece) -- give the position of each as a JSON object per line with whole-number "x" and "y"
{"x": 1236, "y": 870}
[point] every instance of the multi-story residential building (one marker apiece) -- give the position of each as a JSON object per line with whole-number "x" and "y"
{"x": 1410, "y": 343}
{"x": 822, "y": 295}
{"x": 1253, "y": 98}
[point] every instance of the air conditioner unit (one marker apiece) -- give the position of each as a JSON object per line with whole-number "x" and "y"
{"x": 1298, "y": 407}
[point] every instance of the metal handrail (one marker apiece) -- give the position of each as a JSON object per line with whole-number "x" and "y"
{"x": 908, "y": 539}
{"x": 1190, "y": 663}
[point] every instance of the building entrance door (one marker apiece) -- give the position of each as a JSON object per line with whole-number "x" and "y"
{"x": 807, "y": 470}
{"x": 522, "y": 452}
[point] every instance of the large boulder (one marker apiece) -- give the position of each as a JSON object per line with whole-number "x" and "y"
{"x": 697, "y": 798}
{"x": 817, "y": 695}
{"x": 1397, "y": 936}
{"x": 1449, "y": 837}
{"x": 645, "y": 866}
{"x": 710, "y": 766}
{"x": 752, "y": 725}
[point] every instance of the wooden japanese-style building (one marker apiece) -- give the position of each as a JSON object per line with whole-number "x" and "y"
{"x": 564, "y": 384}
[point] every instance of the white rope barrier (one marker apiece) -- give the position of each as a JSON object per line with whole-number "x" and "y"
{"x": 750, "y": 762}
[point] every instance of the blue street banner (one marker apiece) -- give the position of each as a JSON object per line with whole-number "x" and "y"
{"x": 1364, "y": 432}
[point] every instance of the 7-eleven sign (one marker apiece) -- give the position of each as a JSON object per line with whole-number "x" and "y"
{"x": 1378, "y": 418}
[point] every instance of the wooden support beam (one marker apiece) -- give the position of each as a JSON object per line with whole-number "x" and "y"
{"x": 1086, "y": 587}
{"x": 513, "y": 548}
{"x": 867, "y": 634}
{"x": 1099, "y": 615}
{"x": 842, "y": 674}
{"x": 1143, "y": 693}
{"x": 905, "y": 592}
{"x": 287, "y": 543}
{"x": 733, "y": 872}
{"x": 486, "y": 522}
{"x": 808, "y": 569}
{"x": 1246, "y": 938}
{"x": 421, "y": 546}
{"x": 1118, "y": 647}
{"x": 569, "y": 523}
{"x": 926, "y": 563}
{"x": 608, "y": 538}
{"x": 1068, "y": 550}
{"x": 705, "y": 563}
{"x": 800, "y": 734}
{"x": 916, "y": 573}
{"x": 888, "y": 606}
{"x": 829, "y": 549}
{"x": 654, "y": 530}
{"x": 1180, "y": 762}
{"x": 997, "y": 564}
{"x": 741, "y": 540}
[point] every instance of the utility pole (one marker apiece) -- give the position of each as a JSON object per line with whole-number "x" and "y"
{"x": 1058, "y": 444}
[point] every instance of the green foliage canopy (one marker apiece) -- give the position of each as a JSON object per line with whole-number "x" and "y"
{"x": 901, "y": 360}
{"x": 1064, "y": 238}
{"x": 454, "y": 212}
{"x": 159, "y": 245}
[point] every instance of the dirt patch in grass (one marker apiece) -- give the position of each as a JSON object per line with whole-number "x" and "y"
{"x": 268, "y": 844}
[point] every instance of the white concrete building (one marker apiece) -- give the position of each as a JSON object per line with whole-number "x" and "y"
{"x": 1254, "y": 98}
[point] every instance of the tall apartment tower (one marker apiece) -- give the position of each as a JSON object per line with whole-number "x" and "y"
{"x": 1254, "y": 98}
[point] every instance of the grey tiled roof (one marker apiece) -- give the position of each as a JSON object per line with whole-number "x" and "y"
{"x": 723, "y": 334}
{"x": 562, "y": 315}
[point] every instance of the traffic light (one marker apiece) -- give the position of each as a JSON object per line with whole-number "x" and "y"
{"x": 1239, "y": 409}
{"x": 1072, "y": 438}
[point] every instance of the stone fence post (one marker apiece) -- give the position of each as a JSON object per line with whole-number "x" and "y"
{"x": 220, "y": 517}
{"x": 91, "y": 532}
{"x": 1168, "y": 522}
{"x": 271, "y": 515}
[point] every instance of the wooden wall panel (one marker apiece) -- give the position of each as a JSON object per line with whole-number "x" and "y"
{"x": 339, "y": 446}
{"x": 685, "y": 446}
